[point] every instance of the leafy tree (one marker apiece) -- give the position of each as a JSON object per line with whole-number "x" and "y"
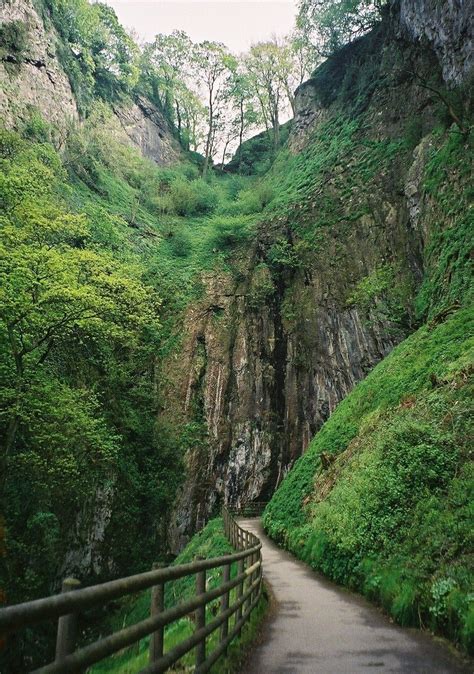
{"x": 78, "y": 334}
{"x": 115, "y": 54}
{"x": 243, "y": 114}
{"x": 329, "y": 24}
{"x": 214, "y": 63}
{"x": 265, "y": 67}
{"x": 170, "y": 58}
{"x": 97, "y": 53}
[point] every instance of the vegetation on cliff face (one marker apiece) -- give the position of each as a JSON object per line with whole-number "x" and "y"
{"x": 381, "y": 501}
{"x": 101, "y": 254}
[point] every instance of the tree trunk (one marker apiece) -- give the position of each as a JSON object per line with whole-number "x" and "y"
{"x": 276, "y": 130}
{"x": 241, "y": 133}
{"x": 179, "y": 123}
{"x": 209, "y": 136}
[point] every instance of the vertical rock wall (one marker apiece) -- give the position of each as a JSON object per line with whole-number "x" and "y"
{"x": 35, "y": 79}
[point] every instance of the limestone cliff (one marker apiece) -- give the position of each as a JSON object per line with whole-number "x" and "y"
{"x": 447, "y": 27}
{"x": 36, "y": 80}
{"x": 270, "y": 356}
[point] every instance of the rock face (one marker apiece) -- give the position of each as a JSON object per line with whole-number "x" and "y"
{"x": 307, "y": 113}
{"x": 269, "y": 375}
{"x": 37, "y": 80}
{"x": 448, "y": 27}
{"x": 147, "y": 129}
{"x": 267, "y": 368}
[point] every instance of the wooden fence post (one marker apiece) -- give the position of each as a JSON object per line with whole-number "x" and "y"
{"x": 240, "y": 591}
{"x": 250, "y": 581}
{"x": 157, "y": 605}
{"x": 67, "y": 625}
{"x": 225, "y": 602}
{"x": 200, "y": 616}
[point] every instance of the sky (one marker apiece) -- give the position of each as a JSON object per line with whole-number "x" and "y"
{"x": 236, "y": 23}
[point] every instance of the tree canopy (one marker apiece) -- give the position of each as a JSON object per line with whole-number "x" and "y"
{"x": 330, "y": 24}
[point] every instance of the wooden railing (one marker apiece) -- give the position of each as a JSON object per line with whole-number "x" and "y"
{"x": 235, "y": 609}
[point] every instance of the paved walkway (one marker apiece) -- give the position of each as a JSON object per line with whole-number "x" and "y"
{"x": 319, "y": 628}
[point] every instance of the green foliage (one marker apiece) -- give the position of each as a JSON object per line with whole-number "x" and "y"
{"x": 334, "y": 23}
{"x": 230, "y": 231}
{"x": 351, "y": 74}
{"x": 98, "y": 56}
{"x": 13, "y": 40}
{"x": 448, "y": 276}
{"x": 384, "y": 294}
{"x": 256, "y": 155}
{"x": 36, "y": 128}
{"x": 262, "y": 288}
{"x": 79, "y": 331}
{"x": 196, "y": 198}
{"x": 210, "y": 542}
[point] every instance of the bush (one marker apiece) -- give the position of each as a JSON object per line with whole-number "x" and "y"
{"x": 37, "y": 128}
{"x": 192, "y": 198}
{"x": 180, "y": 244}
{"x": 229, "y": 232}
{"x": 13, "y": 39}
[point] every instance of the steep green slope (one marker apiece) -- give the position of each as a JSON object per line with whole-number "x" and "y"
{"x": 382, "y": 499}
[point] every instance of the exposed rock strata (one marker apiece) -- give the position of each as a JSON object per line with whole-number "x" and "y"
{"x": 147, "y": 129}
{"x": 268, "y": 381}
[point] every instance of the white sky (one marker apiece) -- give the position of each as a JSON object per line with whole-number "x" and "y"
{"x": 236, "y": 23}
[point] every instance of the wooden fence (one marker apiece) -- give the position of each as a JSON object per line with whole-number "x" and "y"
{"x": 235, "y": 609}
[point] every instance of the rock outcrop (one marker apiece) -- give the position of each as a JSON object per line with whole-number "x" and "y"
{"x": 448, "y": 28}
{"x": 147, "y": 129}
{"x": 308, "y": 112}
{"x": 35, "y": 79}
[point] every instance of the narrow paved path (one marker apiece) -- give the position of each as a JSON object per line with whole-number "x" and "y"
{"x": 319, "y": 628}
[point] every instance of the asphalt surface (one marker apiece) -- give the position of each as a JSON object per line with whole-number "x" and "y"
{"x": 320, "y": 628}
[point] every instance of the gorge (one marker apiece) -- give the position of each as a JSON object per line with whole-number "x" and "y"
{"x": 173, "y": 342}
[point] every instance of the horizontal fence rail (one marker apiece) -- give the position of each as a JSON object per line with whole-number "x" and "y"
{"x": 238, "y": 595}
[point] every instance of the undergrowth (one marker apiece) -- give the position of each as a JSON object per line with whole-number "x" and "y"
{"x": 210, "y": 542}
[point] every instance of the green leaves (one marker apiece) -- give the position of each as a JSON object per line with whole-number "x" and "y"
{"x": 78, "y": 333}
{"x": 330, "y": 24}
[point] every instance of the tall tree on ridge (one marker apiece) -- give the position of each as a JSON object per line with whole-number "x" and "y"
{"x": 213, "y": 62}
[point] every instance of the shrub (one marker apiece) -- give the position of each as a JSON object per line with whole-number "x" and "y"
{"x": 192, "y": 198}
{"x": 180, "y": 244}
{"x": 229, "y": 232}
{"x": 37, "y": 128}
{"x": 13, "y": 39}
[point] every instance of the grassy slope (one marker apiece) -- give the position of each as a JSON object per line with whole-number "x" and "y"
{"x": 391, "y": 516}
{"x": 210, "y": 542}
